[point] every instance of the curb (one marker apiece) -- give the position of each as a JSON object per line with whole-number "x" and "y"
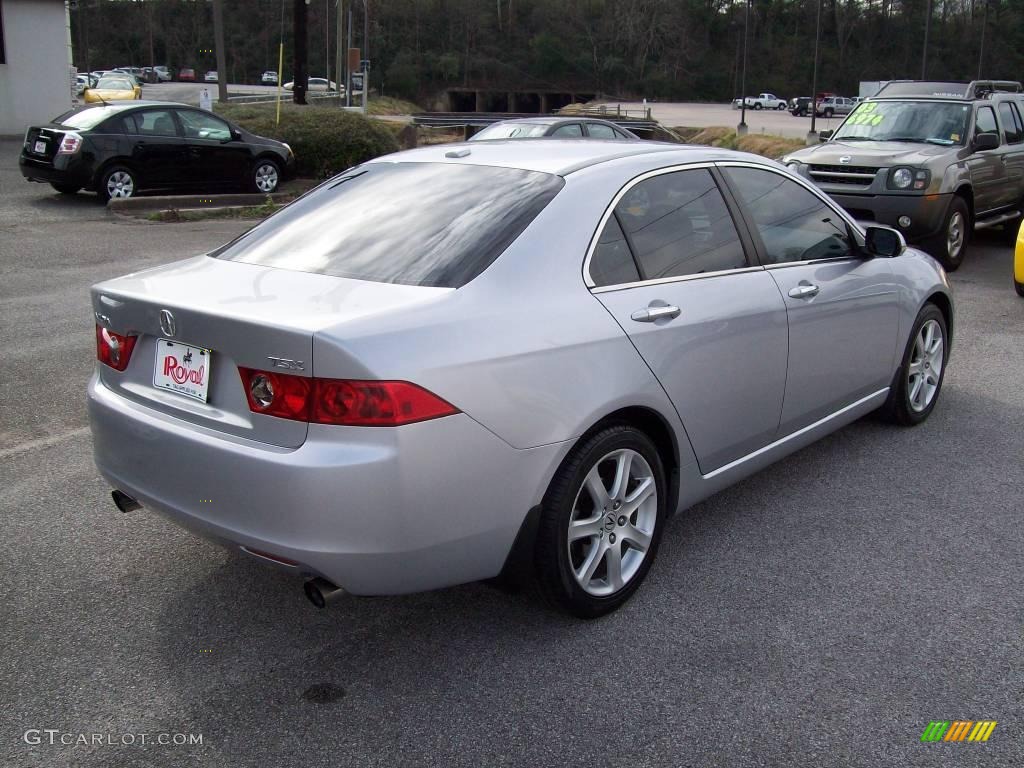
{"x": 200, "y": 202}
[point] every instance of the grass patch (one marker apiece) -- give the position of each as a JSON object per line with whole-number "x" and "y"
{"x": 325, "y": 141}
{"x": 174, "y": 215}
{"x": 386, "y": 105}
{"x": 762, "y": 144}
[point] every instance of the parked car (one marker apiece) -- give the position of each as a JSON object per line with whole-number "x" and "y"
{"x": 112, "y": 88}
{"x": 269, "y": 78}
{"x": 187, "y": 74}
{"x": 163, "y": 74}
{"x": 834, "y": 105}
{"x": 553, "y": 127}
{"x": 327, "y": 380}
{"x": 81, "y": 83}
{"x": 1018, "y": 262}
{"x": 210, "y": 77}
{"x": 315, "y": 84}
{"x": 934, "y": 160}
{"x": 132, "y": 73}
{"x": 761, "y": 101}
{"x": 800, "y": 106}
{"x": 120, "y": 149}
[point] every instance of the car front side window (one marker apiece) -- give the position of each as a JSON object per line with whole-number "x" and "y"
{"x": 201, "y": 125}
{"x": 794, "y": 224}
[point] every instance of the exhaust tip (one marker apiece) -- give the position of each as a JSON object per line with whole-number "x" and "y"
{"x": 321, "y": 592}
{"x": 124, "y": 502}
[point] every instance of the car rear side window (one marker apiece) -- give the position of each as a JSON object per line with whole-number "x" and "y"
{"x": 156, "y": 122}
{"x": 1011, "y": 127}
{"x": 612, "y": 262}
{"x": 794, "y": 224}
{"x": 677, "y": 224}
{"x": 430, "y": 224}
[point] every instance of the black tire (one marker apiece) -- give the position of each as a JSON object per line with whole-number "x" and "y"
{"x": 1012, "y": 227}
{"x": 781, "y": 107}
{"x": 1019, "y": 287}
{"x": 553, "y": 556}
{"x": 829, "y": 112}
{"x": 259, "y": 181}
{"x": 757, "y": 105}
{"x": 898, "y": 408}
{"x": 65, "y": 189}
{"x": 939, "y": 246}
{"x": 113, "y": 176}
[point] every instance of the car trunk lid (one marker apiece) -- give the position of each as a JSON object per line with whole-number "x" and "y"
{"x": 42, "y": 142}
{"x": 233, "y": 315}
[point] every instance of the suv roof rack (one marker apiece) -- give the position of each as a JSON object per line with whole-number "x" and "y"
{"x": 976, "y": 89}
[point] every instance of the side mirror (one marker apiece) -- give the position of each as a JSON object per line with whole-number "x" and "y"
{"x": 884, "y": 242}
{"x": 825, "y": 135}
{"x": 986, "y": 141}
{"x": 236, "y": 135}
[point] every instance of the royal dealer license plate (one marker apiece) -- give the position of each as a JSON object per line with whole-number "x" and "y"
{"x": 182, "y": 368}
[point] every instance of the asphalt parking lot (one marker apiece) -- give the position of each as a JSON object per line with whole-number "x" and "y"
{"x": 819, "y": 614}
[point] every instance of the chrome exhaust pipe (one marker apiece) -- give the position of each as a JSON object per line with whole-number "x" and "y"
{"x": 124, "y": 502}
{"x": 321, "y": 592}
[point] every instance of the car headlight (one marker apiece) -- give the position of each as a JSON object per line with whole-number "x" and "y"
{"x": 901, "y": 178}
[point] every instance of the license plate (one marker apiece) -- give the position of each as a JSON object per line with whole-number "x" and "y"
{"x": 40, "y": 148}
{"x": 182, "y": 368}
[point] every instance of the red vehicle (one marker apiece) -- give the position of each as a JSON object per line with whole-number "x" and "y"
{"x": 186, "y": 73}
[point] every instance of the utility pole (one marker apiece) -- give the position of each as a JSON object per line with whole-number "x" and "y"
{"x": 741, "y": 129}
{"x": 339, "y": 38}
{"x": 366, "y": 53}
{"x": 981, "y": 50}
{"x": 927, "y": 26}
{"x": 812, "y": 135}
{"x": 218, "y": 41}
{"x": 300, "y": 63}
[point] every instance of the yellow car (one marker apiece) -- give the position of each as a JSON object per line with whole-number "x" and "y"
{"x": 112, "y": 89}
{"x": 1018, "y": 262}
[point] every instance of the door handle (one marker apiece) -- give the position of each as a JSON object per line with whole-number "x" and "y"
{"x": 650, "y": 314}
{"x": 804, "y": 291}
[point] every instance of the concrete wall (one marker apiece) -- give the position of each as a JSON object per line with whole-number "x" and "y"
{"x": 35, "y": 82}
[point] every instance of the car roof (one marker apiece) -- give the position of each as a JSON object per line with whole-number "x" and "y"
{"x": 559, "y": 156}
{"x": 553, "y": 120}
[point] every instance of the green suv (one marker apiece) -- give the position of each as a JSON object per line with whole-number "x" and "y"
{"x": 932, "y": 160}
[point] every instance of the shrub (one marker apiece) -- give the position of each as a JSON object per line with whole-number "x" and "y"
{"x": 325, "y": 141}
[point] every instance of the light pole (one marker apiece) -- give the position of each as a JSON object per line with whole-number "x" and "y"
{"x": 924, "y": 51}
{"x": 741, "y": 129}
{"x": 981, "y": 50}
{"x": 812, "y": 135}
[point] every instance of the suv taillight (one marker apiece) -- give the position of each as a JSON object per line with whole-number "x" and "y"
{"x": 113, "y": 349}
{"x": 353, "y": 403}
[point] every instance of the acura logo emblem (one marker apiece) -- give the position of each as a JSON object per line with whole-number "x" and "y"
{"x": 845, "y": 159}
{"x": 167, "y": 322}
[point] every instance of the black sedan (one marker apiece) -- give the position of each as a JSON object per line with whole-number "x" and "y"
{"x": 120, "y": 149}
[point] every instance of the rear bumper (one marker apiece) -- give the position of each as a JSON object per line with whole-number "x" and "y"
{"x": 376, "y": 511}
{"x": 60, "y": 171}
{"x": 926, "y": 212}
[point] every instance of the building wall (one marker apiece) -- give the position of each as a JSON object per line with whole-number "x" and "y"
{"x": 35, "y": 82}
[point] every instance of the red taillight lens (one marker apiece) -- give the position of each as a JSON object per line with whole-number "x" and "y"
{"x": 70, "y": 144}
{"x": 340, "y": 401}
{"x": 277, "y": 394}
{"x": 113, "y": 349}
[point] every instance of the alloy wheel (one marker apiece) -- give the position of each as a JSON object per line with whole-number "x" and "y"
{"x": 955, "y": 233}
{"x": 266, "y": 177}
{"x": 612, "y": 522}
{"x": 925, "y": 369}
{"x": 120, "y": 184}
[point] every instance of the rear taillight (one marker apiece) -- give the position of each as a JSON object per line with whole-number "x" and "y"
{"x": 70, "y": 144}
{"x": 113, "y": 349}
{"x": 341, "y": 401}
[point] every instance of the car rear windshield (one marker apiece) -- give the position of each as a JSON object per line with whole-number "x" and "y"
{"x": 84, "y": 119}
{"x": 513, "y": 131}
{"x": 430, "y": 224}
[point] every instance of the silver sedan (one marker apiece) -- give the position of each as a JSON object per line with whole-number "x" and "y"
{"x": 505, "y": 359}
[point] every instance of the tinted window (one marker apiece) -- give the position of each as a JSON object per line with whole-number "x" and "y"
{"x": 571, "y": 131}
{"x": 1006, "y": 117}
{"x": 512, "y": 131}
{"x": 985, "y": 122}
{"x": 794, "y": 224}
{"x": 155, "y": 122}
{"x": 435, "y": 224}
{"x": 677, "y": 224}
{"x": 599, "y": 131}
{"x": 612, "y": 262}
{"x": 203, "y": 125}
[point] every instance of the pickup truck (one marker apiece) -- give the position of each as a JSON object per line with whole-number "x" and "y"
{"x": 761, "y": 101}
